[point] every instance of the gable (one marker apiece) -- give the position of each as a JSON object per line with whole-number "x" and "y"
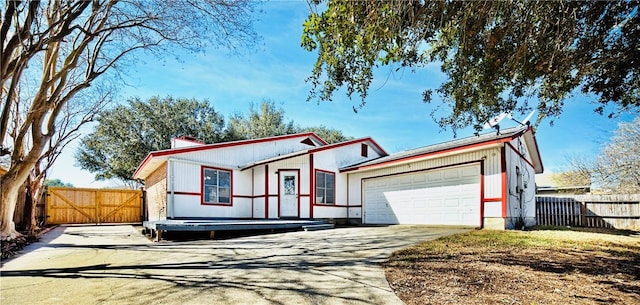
{"x": 231, "y": 154}
{"x": 457, "y": 147}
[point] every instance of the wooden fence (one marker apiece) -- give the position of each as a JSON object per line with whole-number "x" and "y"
{"x": 81, "y": 205}
{"x": 594, "y": 211}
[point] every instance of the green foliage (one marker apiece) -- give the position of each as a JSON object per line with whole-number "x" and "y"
{"x": 330, "y": 135}
{"x": 57, "y": 182}
{"x": 127, "y": 133}
{"x": 498, "y": 55}
{"x": 268, "y": 121}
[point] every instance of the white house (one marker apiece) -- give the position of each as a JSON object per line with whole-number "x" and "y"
{"x": 480, "y": 181}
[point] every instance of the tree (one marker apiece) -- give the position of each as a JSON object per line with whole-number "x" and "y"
{"x": 127, "y": 133}
{"x": 330, "y": 135}
{"x": 498, "y": 55}
{"x": 57, "y": 182}
{"x": 269, "y": 121}
{"x": 618, "y": 166}
{"x": 71, "y": 45}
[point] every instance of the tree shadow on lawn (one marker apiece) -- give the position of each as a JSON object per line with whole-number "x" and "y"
{"x": 609, "y": 231}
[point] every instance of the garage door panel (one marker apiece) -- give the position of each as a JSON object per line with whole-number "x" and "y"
{"x": 442, "y": 197}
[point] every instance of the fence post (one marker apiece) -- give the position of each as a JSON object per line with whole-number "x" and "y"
{"x": 583, "y": 213}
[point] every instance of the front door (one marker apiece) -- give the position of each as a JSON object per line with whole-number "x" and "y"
{"x": 288, "y": 194}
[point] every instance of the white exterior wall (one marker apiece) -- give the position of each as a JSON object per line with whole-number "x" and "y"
{"x": 331, "y": 160}
{"x": 258, "y": 191}
{"x": 517, "y": 216}
{"x": 184, "y": 194}
{"x": 492, "y": 177}
{"x": 299, "y": 164}
{"x": 245, "y": 154}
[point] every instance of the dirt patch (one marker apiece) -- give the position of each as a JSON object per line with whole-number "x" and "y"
{"x": 537, "y": 267}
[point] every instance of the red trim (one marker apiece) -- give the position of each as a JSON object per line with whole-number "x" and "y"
{"x": 175, "y": 151}
{"x": 189, "y": 139}
{"x": 202, "y": 202}
{"x": 482, "y": 194}
{"x": 312, "y": 190}
{"x": 336, "y": 145}
{"x": 485, "y": 143}
{"x": 243, "y": 196}
{"x": 334, "y": 205}
{"x": 364, "y": 150}
{"x": 334, "y": 187}
{"x": 492, "y": 199}
{"x": 253, "y": 191}
{"x": 185, "y": 193}
{"x": 266, "y": 191}
{"x": 519, "y": 154}
{"x": 305, "y": 195}
{"x": 535, "y": 142}
{"x": 302, "y": 153}
{"x": 503, "y": 169}
{"x": 422, "y": 170}
{"x": 297, "y": 190}
{"x": 199, "y": 194}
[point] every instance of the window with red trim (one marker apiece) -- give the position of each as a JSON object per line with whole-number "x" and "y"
{"x": 216, "y": 186}
{"x": 325, "y": 187}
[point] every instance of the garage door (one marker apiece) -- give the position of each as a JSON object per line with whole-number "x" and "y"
{"x": 448, "y": 196}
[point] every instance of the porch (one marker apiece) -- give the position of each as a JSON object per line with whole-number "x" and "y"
{"x": 158, "y": 227}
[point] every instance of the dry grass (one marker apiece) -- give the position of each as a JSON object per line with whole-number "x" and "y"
{"x": 514, "y": 267}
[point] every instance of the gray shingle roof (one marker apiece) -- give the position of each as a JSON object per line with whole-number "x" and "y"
{"x": 487, "y": 137}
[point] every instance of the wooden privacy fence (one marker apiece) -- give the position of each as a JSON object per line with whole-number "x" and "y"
{"x": 594, "y": 211}
{"x": 81, "y": 206}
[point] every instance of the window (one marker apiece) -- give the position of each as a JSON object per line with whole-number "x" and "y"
{"x": 325, "y": 187}
{"x": 364, "y": 150}
{"x": 216, "y": 186}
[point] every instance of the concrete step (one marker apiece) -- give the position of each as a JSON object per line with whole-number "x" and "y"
{"x": 318, "y": 227}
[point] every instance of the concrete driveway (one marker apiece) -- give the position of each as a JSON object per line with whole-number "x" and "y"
{"x": 117, "y": 265}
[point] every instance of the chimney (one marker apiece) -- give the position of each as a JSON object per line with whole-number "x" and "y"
{"x": 185, "y": 141}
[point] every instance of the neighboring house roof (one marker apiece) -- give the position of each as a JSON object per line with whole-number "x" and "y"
{"x": 367, "y": 140}
{"x": 479, "y": 141}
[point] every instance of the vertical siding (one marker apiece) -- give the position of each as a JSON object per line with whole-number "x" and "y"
{"x": 492, "y": 172}
{"x": 186, "y": 182}
{"x": 258, "y": 192}
{"x": 331, "y": 160}
{"x": 515, "y": 215}
{"x": 186, "y": 176}
{"x": 246, "y": 154}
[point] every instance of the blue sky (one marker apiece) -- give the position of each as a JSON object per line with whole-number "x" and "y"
{"x": 275, "y": 70}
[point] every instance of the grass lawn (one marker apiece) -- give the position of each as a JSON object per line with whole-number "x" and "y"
{"x": 520, "y": 267}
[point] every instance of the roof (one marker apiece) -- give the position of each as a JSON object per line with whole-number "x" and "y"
{"x": 369, "y": 140}
{"x": 156, "y": 158}
{"x": 448, "y": 147}
{"x": 181, "y": 150}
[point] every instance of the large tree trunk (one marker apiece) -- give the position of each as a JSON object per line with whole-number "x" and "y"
{"x": 36, "y": 192}
{"x": 10, "y": 185}
{"x": 9, "y": 194}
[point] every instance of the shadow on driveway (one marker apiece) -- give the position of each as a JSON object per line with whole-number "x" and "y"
{"x": 114, "y": 264}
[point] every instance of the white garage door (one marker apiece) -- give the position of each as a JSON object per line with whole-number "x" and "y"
{"x": 449, "y": 196}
